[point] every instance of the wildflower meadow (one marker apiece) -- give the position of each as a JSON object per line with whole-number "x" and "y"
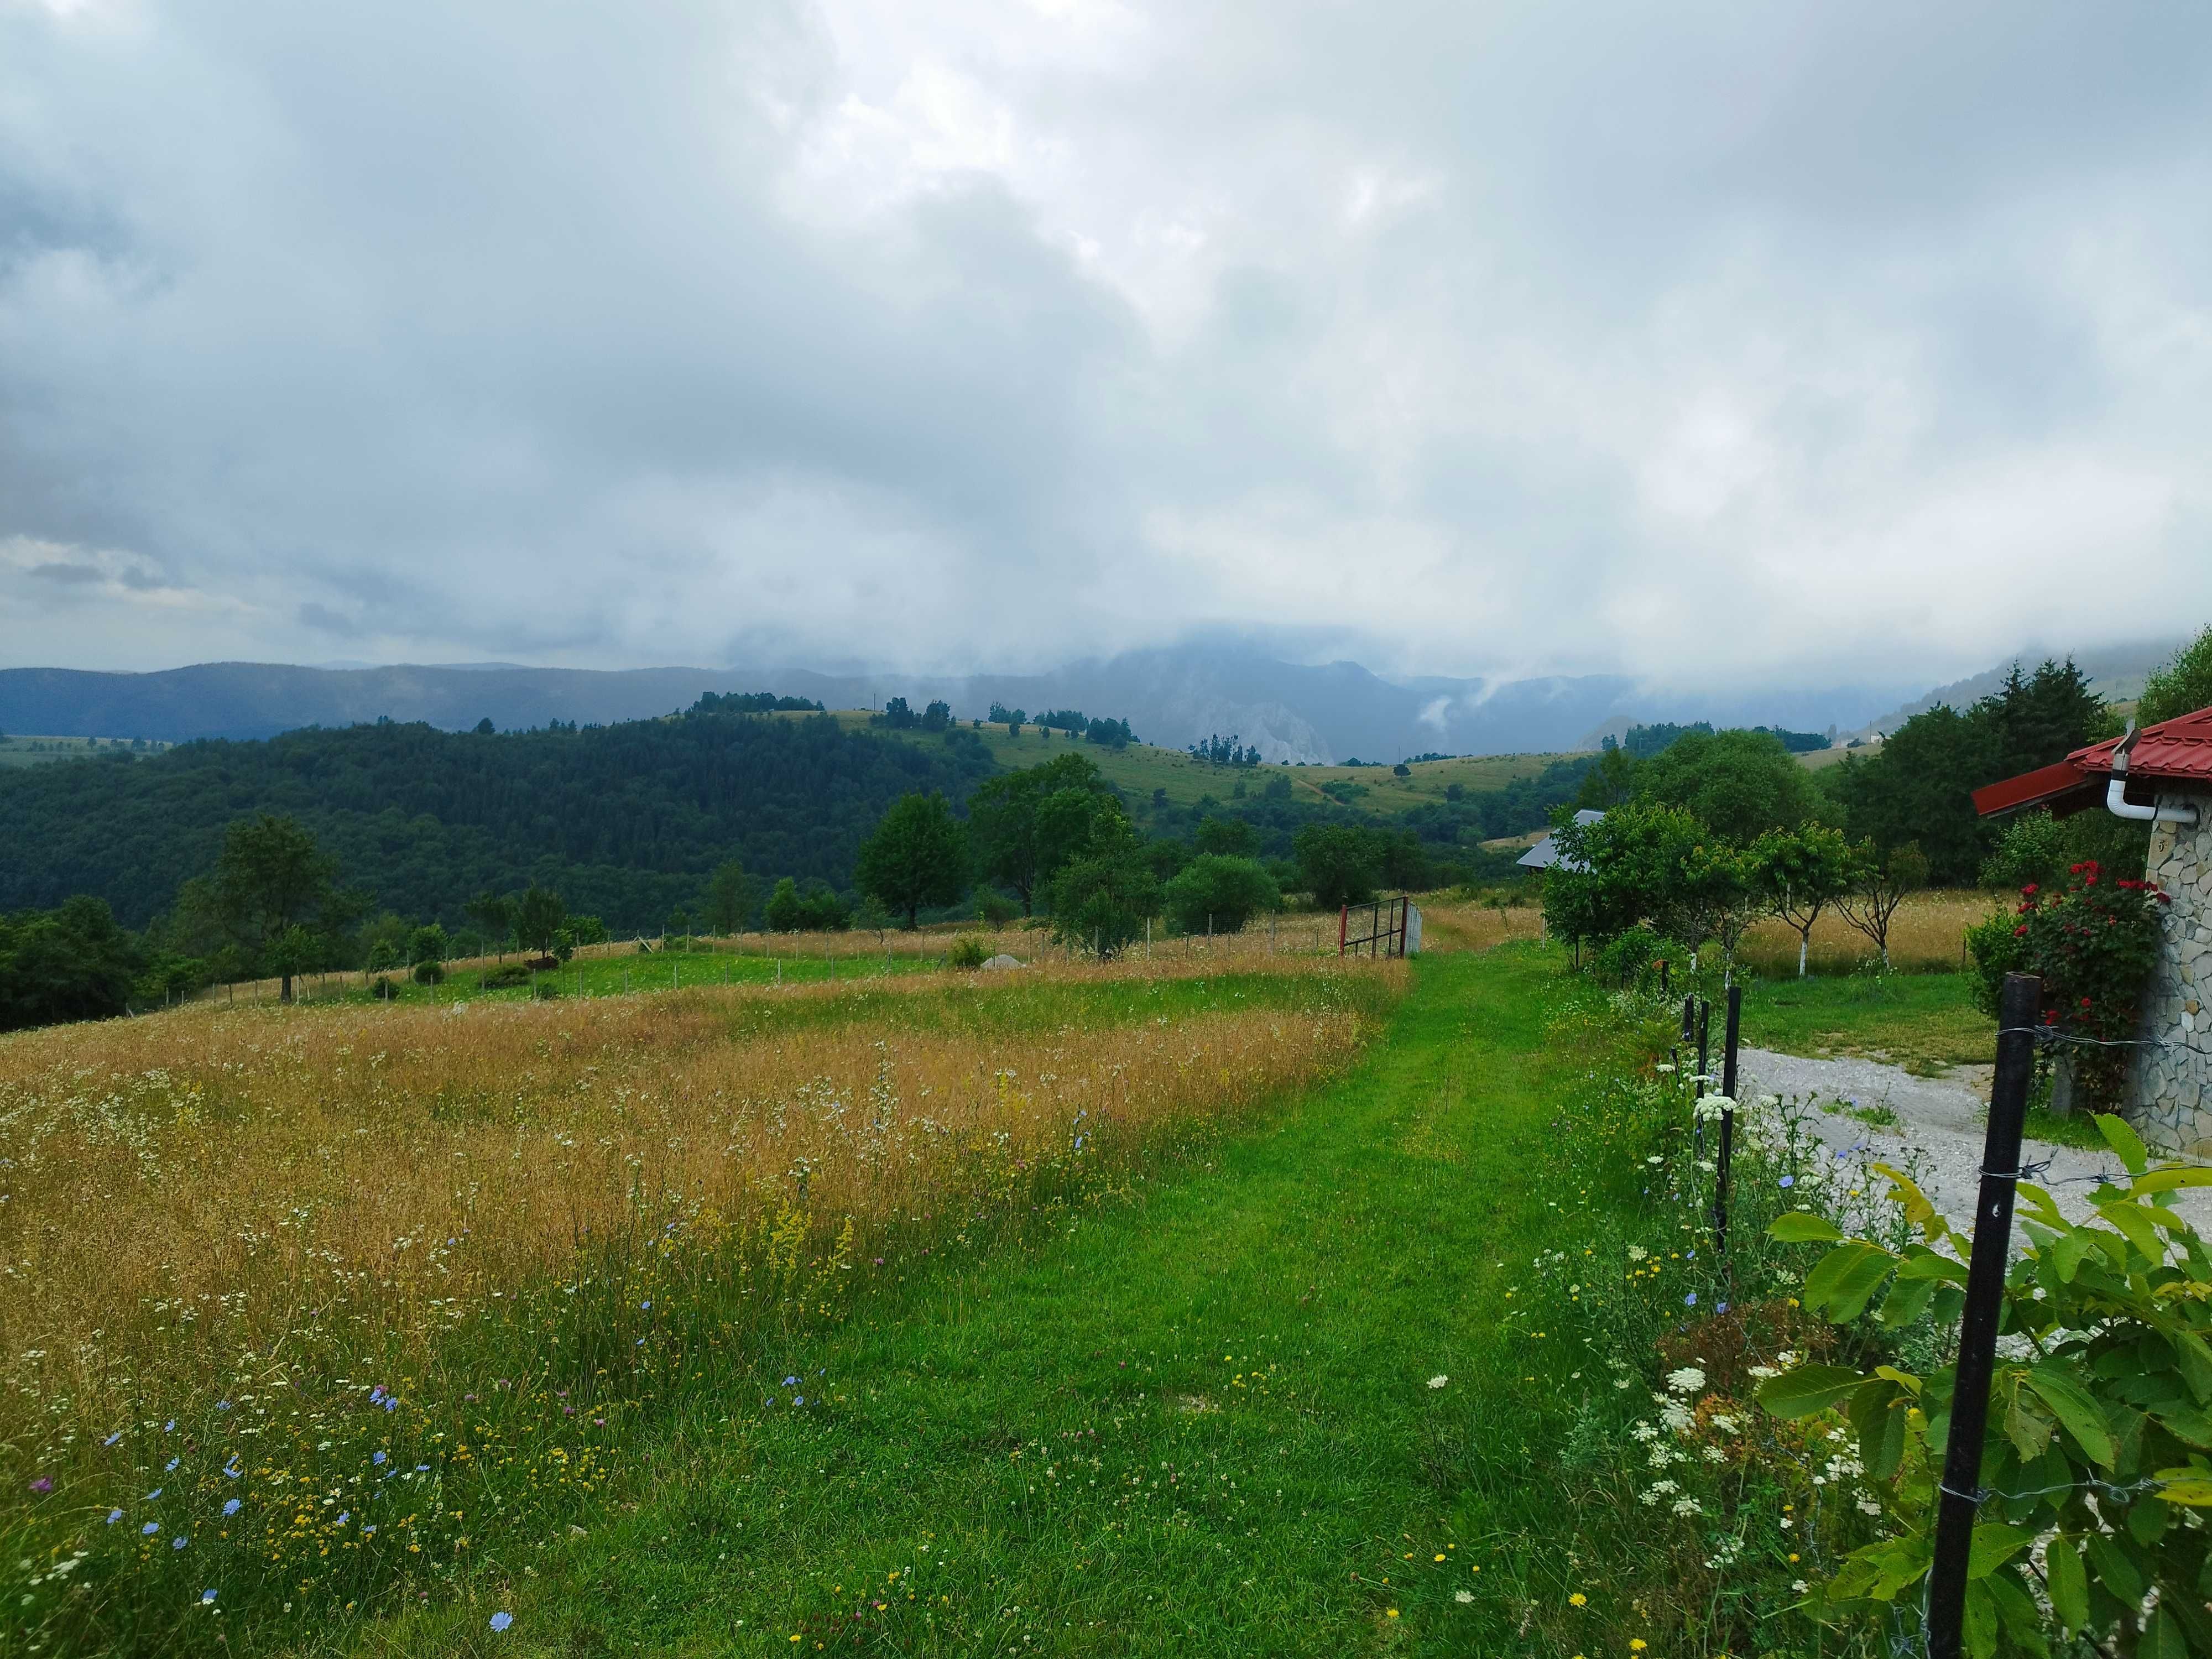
{"x": 306, "y": 1310}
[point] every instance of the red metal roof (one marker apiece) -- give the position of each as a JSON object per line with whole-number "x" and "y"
{"x": 2175, "y": 750}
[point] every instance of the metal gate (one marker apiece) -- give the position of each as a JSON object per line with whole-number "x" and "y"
{"x": 1388, "y": 928}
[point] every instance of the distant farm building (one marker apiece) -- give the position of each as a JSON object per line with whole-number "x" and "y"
{"x": 1545, "y": 852}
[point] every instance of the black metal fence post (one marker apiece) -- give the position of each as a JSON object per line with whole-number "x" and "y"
{"x": 1704, "y": 1044}
{"x": 1727, "y": 1119}
{"x": 1960, "y": 1491}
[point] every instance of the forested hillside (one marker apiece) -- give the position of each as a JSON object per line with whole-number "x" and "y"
{"x": 625, "y": 820}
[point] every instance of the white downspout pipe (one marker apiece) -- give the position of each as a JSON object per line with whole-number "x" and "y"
{"x": 2116, "y": 793}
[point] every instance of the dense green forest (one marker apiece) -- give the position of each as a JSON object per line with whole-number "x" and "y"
{"x": 627, "y": 820}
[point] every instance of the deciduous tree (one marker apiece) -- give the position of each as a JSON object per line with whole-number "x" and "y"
{"x": 917, "y": 856}
{"x": 1216, "y": 892}
{"x": 539, "y": 915}
{"x": 273, "y": 880}
{"x": 1880, "y": 882}
{"x": 1802, "y": 873}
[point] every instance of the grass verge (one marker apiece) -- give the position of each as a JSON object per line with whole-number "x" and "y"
{"x": 1925, "y": 1022}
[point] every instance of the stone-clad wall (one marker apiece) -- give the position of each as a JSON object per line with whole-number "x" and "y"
{"x": 2172, "y": 1102}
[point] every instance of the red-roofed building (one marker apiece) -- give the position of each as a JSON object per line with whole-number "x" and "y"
{"x": 2161, "y": 775}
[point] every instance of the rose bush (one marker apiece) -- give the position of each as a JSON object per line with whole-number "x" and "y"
{"x": 2093, "y": 943}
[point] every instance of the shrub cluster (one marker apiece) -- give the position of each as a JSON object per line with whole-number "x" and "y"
{"x": 2093, "y": 943}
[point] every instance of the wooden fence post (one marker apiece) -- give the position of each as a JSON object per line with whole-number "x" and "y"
{"x": 1958, "y": 1493}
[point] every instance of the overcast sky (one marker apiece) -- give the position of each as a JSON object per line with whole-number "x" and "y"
{"x": 1707, "y": 343}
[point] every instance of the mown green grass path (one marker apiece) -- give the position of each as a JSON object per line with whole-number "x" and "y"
{"x": 1200, "y": 1424}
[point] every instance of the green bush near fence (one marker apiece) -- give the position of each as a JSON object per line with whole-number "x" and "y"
{"x": 2099, "y": 1450}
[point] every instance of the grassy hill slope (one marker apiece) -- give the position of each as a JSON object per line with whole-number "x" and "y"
{"x": 1143, "y": 767}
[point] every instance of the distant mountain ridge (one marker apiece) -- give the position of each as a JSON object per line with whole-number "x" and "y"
{"x": 1172, "y": 695}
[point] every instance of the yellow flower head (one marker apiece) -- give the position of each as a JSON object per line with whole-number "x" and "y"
{"x": 1578, "y": 1600}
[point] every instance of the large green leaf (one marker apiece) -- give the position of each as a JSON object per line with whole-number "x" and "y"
{"x": 2171, "y": 1179}
{"x": 2192, "y": 1487}
{"x": 2191, "y": 1427}
{"x": 2195, "y": 1360}
{"x": 2063, "y": 1392}
{"x": 1846, "y": 1278}
{"x": 2068, "y": 1584}
{"x": 2067, "y": 1251}
{"x": 1981, "y": 1621}
{"x": 2132, "y": 1222}
{"x": 2162, "y": 1638}
{"x": 1807, "y": 1389}
{"x": 2124, "y": 1141}
{"x": 1882, "y": 1453}
{"x": 2027, "y": 1424}
{"x": 2016, "y": 1608}
{"x": 1921, "y": 1262}
{"x": 1995, "y": 1544}
{"x": 1802, "y": 1227}
{"x": 2114, "y": 1571}
{"x": 1907, "y": 1300}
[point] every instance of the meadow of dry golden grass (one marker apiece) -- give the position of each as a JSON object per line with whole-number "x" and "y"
{"x": 1453, "y": 924}
{"x": 704, "y": 958}
{"x": 1927, "y": 936}
{"x": 252, "y": 1258}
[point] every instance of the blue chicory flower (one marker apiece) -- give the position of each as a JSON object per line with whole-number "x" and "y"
{"x": 501, "y": 1620}
{"x": 1789, "y": 1181}
{"x": 206, "y": 1597}
{"x": 149, "y": 1529}
{"x": 231, "y": 1508}
{"x": 113, "y": 1516}
{"x": 1691, "y": 1300}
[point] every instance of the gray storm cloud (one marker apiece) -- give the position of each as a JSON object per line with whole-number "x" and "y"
{"x": 1700, "y": 343}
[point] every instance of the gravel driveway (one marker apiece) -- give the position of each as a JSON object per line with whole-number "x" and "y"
{"x": 1942, "y": 1117}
